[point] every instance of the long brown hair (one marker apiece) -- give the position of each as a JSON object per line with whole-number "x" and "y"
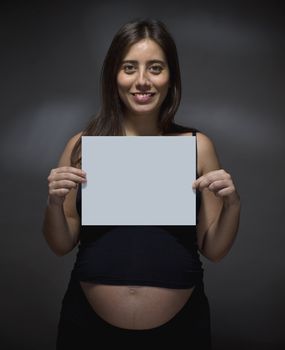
{"x": 108, "y": 121}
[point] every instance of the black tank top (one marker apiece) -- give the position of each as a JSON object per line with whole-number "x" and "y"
{"x": 162, "y": 256}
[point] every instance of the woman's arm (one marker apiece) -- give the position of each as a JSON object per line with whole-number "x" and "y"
{"x": 220, "y": 205}
{"x": 61, "y": 221}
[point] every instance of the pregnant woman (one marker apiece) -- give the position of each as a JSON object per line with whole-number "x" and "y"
{"x": 139, "y": 285}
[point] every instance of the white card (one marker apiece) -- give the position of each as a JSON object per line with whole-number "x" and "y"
{"x": 139, "y": 180}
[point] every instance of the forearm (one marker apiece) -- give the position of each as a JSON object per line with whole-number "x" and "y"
{"x": 220, "y": 236}
{"x": 57, "y": 231}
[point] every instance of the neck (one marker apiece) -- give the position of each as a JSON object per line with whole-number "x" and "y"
{"x": 141, "y": 126}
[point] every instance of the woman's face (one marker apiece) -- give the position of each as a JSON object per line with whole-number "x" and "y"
{"x": 143, "y": 78}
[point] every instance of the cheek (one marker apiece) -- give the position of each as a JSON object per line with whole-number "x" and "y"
{"x": 123, "y": 82}
{"x": 123, "y": 86}
{"x": 162, "y": 82}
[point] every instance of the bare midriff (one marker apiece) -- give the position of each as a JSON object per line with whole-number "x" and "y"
{"x": 135, "y": 307}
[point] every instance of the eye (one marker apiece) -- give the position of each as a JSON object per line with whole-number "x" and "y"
{"x": 156, "y": 68}
{"x": 129, "y": 68}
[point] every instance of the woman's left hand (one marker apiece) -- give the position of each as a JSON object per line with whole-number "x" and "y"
{"x": 220, "y": 183}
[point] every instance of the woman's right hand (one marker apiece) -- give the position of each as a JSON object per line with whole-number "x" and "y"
{"x": 61, "y": 180}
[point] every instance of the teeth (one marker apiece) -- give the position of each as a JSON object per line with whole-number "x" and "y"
{"x": 142, "y": 94}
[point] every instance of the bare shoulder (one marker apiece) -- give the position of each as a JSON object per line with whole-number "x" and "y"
{"x": 206, "y": 152}
{"x": 72, "y": 141}
{"x": 65, "y": 156}
{"x": 208, "y": 159}
{"x": 204, "y": 143}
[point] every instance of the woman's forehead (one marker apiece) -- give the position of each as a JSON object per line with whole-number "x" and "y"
{"x": 146, "y": 49}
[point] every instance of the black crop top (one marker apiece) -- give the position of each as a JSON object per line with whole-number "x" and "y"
{"x": 162, "y": 256}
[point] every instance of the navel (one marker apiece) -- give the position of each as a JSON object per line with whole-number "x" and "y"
{"x": 132, "y": 291}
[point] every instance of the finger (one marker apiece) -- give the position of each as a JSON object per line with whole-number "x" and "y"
{"x": 69, "y": 169}
{"x": 219, "y": 184}
{"x": 225, "y": 192}
{"x": 66, "y": 176}
{"x": 62, "y": 192}
{"x": 202, "y": 183}
{"x": 62, "y": 184}
{"x": 69, "y": 176}
{"x": 209, "y": 178}
{"x": 197, "y": 182}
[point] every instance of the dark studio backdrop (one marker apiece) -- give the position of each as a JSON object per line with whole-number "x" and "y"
{"x": 232, "y": 56}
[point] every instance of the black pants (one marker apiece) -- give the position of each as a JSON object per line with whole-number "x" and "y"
{"x": 81, "y": 328}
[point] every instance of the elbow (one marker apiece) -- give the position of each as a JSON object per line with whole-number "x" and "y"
{"x": 60, "y": 253}
{"x": 213, "y": 256}
{"x": 58, "y": 249}
{"x": 60, "y": 246}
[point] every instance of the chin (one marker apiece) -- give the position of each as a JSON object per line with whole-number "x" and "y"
{"x": 144, "y": 112}
{"x": 144, "y": 109}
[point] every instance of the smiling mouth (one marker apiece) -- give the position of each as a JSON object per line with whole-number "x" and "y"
{"x": 142, "y": 97}
{"x": 143, "y": 94}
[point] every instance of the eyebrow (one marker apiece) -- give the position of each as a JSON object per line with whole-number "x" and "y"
{"x": 149, "y": 62}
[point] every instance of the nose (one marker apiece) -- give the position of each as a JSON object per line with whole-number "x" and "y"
{"x": 143, "y": 83}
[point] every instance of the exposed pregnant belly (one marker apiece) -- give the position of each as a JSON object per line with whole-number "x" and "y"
{"x": 135, "y": 307}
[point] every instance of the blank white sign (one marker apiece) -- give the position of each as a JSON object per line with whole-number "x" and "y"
{"x": 139, "y": 180}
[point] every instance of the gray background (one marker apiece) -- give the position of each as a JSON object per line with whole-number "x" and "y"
{"x": 232, "y": 60}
